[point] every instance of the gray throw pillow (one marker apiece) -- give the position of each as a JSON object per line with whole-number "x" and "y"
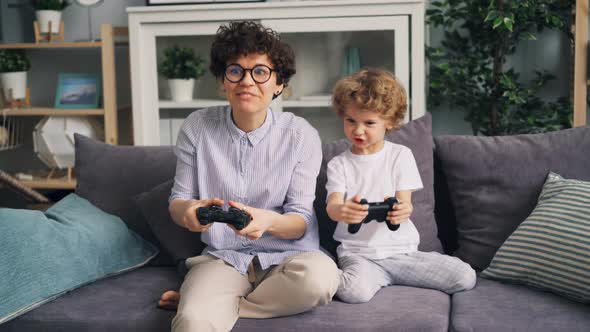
{"x": 178, "y": 242}
{"x": 494, "y": 182}
{"x": 549, "y": 250}
{"x": 416, "y": 135}
{"x": 109, "y": 176}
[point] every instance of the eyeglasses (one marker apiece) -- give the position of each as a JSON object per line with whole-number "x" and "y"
{"x": 260, "y": 73}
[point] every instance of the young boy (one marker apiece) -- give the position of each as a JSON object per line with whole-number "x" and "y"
{"x": 372, "y": 102}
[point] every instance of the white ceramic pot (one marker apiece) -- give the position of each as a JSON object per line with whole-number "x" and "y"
{"x": 45, "y": 16}
{"x": 181, "y": 89}
{"x": 17, "y": 81}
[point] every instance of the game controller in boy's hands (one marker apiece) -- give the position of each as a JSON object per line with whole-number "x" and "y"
{"x": 233, "y": 216}
{"x": 377, "y": 211}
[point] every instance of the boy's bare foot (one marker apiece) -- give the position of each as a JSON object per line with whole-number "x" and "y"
{"x": 169, "y": 300}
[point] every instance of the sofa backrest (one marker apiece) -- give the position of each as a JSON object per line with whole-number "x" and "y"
{"x": 109, "y": 176}
{"x": 494, "y": 184}
{"x": 484, "y": 186}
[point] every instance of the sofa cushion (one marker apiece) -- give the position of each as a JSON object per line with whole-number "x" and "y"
{"x": 109, "y": 176}
{"x": 494, "y": 306}
{"x": 178, "y": 242}
{"x": 395, "y": 308}
{"x": 551, "y": 248}
{"x": 494, "y": 182}
{"x": 128, "y": 303}
{"x": 416, "y": 135}
{"x": 122, "y": 303}
{"x": 46, "y": 254}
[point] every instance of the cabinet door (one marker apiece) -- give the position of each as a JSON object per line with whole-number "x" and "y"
{"x": 320, "y": 45}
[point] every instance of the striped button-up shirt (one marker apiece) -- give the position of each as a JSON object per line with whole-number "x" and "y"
{"x": 273, "y": 167}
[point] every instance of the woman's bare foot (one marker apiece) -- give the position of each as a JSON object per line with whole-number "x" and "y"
{"x": 169, "y": 300}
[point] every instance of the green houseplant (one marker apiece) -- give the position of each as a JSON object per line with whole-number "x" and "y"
{"x": 13, "y": 61}
{"x": 49, "y": 11}
{"x": 14, "y": 65}
{"x": 469, "y": 72}
{"x": 181, "y": 62}
{"x": 181, "y": 66}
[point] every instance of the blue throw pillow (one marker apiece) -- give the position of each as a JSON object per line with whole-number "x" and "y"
{"x": 73, "y": 243}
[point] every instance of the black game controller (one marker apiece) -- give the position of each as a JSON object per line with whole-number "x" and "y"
{"x": 377, "y": 211}
{"x": 236, "y": 217}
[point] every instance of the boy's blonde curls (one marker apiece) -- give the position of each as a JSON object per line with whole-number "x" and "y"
{"x": 374, "y": 90}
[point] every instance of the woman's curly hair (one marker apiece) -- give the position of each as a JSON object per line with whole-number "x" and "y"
{"x": 243, "y": 38}
{"x": 374, "y": 90}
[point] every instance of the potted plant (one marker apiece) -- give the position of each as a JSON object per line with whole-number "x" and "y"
{"x": 470, "y": 71}
{"x": 49, "y": 11}
{"x": 14, "y": 65}
{"x": 181, "y": 66}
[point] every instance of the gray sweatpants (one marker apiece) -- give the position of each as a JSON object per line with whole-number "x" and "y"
{"x": 361, "y": 278}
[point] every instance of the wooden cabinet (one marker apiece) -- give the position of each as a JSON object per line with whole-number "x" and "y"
{"x": 580, "y": 82}
{"x": 108, "y": 112}
{"x": 388, "y": 34}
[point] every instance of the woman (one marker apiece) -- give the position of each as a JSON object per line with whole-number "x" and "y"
{"x": 264, "y": 163}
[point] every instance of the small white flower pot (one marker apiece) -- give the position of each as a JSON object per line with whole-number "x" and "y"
{"x": 181, "y": 89}
{"x": 17, "y": 81}
{"x": 46, "y": 16}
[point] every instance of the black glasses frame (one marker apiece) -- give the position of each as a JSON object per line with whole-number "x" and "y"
{"x": 251, "y": 73}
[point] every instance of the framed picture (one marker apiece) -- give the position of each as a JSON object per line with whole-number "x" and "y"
{"x": 77, "y": 91}
{"x": 191, "y": 2}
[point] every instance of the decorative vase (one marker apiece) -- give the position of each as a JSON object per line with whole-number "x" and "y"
{"x": 351, "y": 62}
{"x": 46, "y": 16}
{"x": 17, "y": 81}
{"x": 181, "y": 89}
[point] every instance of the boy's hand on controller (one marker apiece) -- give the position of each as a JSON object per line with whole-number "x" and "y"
{"x": 401, "y": 212}
{"x": 351, "y": 211}
{"x": 190, "y": 220}
{"x": 261, "y": 221}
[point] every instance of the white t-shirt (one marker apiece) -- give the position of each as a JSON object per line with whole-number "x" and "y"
{"x": 373, "y": 177}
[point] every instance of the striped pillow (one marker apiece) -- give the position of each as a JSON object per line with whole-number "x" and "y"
{"x": 551, "y": 248}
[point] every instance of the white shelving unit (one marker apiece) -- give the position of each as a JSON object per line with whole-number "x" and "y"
{"x": 194, "y": 104}
{"x": 389, "y": 34}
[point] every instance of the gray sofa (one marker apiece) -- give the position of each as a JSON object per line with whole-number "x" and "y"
{"x": 477, "y": 191}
